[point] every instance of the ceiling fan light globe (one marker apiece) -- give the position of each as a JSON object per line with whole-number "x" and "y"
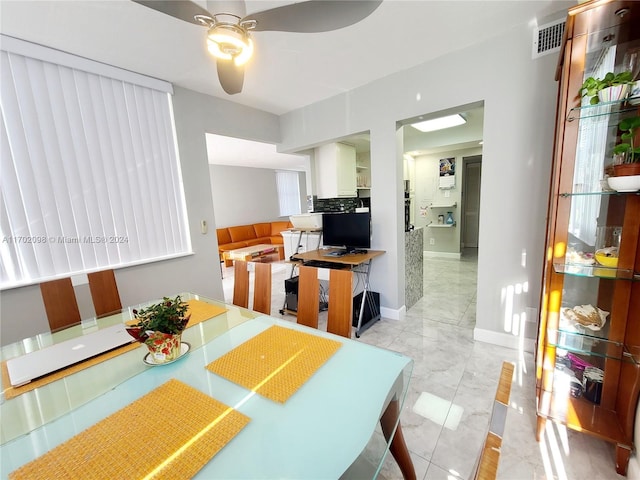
{"x": 216, "y": 51}
{"x": 246, "y": 53}
{"x": 227, "y": 41}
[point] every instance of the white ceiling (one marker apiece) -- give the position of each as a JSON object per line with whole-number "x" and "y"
{"x": 289, "y": 70}
{"x": 236, "y": 152}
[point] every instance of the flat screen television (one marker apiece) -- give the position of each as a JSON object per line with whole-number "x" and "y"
{"x": 351, "y": 231}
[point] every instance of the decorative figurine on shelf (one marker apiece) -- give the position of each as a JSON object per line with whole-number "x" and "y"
{"x": 449, "y": 220}
{"x": 440, "y": 219}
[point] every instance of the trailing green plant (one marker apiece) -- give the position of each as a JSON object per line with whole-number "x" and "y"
{"x": 628, "y": 126}
{"x": 592, "y": 86}
{"x": 167, "y": 316}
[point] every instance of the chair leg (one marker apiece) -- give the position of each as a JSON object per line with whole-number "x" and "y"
{"x": 262, "y": 288}
{"x": 340, "y": 313}
{"x": 241, "y": 284}
{"x": 308, "y": 296}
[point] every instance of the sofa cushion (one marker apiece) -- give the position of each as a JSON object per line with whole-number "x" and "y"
{"x": 257, "y": 241}
{"x": 277, "y": 240}
{"x": 242, "y": 233}
{"x": 232, "y": 246}
{"x": 262, "y": 229}
{"x": 277, "y": 227}
{"x": 223, "y": 236}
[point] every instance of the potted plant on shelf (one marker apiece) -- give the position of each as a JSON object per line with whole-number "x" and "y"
{"x": 608, "y": 89}
{"x": 627, "y": 153}
{"x": 160, "y": 327}
{"x": 626, "y": 164}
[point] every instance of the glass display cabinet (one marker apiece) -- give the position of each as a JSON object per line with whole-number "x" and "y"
{"x": 588, "y": 346}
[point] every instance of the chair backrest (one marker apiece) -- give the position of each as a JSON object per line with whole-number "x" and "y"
{"x": 487, "y": 465}
{"x": 60, "y": 303}
{"x": 308, "y": 296}
{"x": 262, "y": 288}
{"x": 340, "y": 313}
{"x": 104, "y": 293}
{"x": 240, "y": 284}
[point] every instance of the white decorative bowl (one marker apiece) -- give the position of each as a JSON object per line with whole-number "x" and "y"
{"x": 629, "y": 183}
{"x": 612, "y": 94}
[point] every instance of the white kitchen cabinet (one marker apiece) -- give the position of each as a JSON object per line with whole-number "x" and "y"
{"x": 336, "y": 170}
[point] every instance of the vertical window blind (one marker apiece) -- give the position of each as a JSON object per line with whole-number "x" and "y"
{"x": 90, "y": 172}
{"x": 288, "y": 186}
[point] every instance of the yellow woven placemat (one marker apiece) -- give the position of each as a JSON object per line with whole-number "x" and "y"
{"x": 171, "y": 432}
{"x": 275, "y": 363}
{"x": 199, "y": 310}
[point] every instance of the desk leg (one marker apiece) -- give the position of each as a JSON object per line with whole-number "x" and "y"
{"x": 398, "y": 447}
{"x": 375, "y": 313}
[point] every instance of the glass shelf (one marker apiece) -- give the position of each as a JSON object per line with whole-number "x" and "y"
{"x": 595, "y": 271}
{"x": 600, "y": 193}
{"x": 593, "y": 335}
{"x": 632, "y": 352}
{"x": 444, "y": 205}
{"x": 583, "y": 344}
{"x": 602, "y": 109}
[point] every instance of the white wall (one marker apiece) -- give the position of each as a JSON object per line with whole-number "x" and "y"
{"x": 243, "y": 195}
{"x": 21, "y": 310}
{"x": 519, "y": 99}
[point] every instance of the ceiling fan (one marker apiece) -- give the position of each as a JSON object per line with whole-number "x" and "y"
{"x": 229, "y": 38}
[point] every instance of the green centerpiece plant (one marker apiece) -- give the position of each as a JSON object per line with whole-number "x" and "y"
{"x": 160, "y": 327}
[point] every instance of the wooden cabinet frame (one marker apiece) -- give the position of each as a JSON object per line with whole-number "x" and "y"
{"x": 613, "y": 418}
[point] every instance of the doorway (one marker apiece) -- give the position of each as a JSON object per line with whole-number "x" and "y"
{"x": 471, "y": 201}
{"x": 450, "y": 248}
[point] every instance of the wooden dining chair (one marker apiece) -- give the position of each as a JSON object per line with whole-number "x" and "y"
{"x": 487, "y": 464}
{"x": 60, "y": 303}
{"x": 340, "y": 312}
{"x": 308, "y": 296}
{"x": 240, "y": 284}
{"x": 104, "y": 293}
{"x": 262, "y": 288}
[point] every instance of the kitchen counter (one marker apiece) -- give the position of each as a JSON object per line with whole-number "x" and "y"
{"x": 413, "y": 269}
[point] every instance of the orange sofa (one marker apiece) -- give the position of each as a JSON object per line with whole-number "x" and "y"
{"x": 231, "y": 238}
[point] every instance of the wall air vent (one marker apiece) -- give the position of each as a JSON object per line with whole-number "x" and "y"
{"x": 547, "y": 38}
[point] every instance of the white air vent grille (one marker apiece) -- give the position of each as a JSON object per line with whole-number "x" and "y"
{"x": 547, "y": 38}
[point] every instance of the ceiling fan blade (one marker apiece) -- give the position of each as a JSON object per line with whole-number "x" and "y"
{"x": 231, "y": 76}
{"x": 313, "y": 16}
{"x": 181, "y": 9}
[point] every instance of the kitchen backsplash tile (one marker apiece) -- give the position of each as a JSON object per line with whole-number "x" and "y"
{"x": 335, "y": 204}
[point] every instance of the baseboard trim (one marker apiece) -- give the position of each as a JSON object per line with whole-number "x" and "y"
{"x": 455, "y": 256}
{"x": 393, "y": 313}
{"x": 504, "y": 340}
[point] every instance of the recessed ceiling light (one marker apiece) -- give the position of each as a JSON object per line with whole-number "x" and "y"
{"x": 440, "y": 123}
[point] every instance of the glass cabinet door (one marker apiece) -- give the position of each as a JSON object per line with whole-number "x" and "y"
{"x": 587, "y": 343}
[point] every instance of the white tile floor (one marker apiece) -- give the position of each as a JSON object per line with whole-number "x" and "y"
{"x": 453, "y": 384}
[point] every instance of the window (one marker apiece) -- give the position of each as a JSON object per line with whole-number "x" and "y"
{"x": 288, "y": 193}
{"x": 90, "y": 169}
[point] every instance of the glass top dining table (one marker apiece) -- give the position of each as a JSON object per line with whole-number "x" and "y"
{"x": 328, "y": 429}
